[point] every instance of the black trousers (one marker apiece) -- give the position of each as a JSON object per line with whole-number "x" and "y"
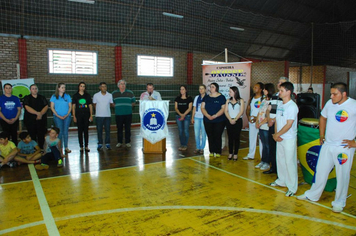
{"x": 11, "y": 129}
{"x": 83, "y": 127}
{"x": 37, "y": 130}
{"x": 214, "y": 132}
{"x": 54, "y": 154}
{"x": 272, "y": 149}
{"x": 123, "y": 120}
{"x": 233, "y": 132}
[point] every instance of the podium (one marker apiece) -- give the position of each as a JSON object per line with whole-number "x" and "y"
{"x": 154, "y": 130}
{"x": 157, "y": 148}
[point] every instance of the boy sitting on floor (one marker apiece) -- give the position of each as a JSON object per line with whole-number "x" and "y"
{"x": 53, "y": 150}
{"x": 28, "y": 150}
{"x": 8, "y": 150}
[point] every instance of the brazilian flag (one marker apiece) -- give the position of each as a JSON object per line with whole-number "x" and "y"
{"x": 308, "y": 154}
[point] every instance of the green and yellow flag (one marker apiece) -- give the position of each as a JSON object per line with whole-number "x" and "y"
{"x": 308, "y": 154}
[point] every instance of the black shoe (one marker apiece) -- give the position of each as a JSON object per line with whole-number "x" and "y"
{"x": 270, "y": 171}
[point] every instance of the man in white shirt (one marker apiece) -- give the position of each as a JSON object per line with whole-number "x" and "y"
{"x": 337, "y": 129}
{"x": 271, "y": 113}
{"x": 102, "y": 101}
{"x": 150, "y": 94}
{"x": 286, "y": 137}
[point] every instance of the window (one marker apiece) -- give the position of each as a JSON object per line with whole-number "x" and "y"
{"x": 72, "y": 62}
{"x": 154, "y": 66}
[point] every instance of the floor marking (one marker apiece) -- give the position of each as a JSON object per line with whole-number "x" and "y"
{"x": 46, "y": 211}
{"x": 113, "y": 169}
{"x": 219, "y": 208}
{"x": 264, "y": 185}
{"x": 25, "y": 226}
{"x": 17, "y": 182}
{"x": 152, "y": 208}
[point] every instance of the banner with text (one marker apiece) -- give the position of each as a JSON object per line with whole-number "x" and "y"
{"x": 154, "y": 115}
{"x": 227, "y": 75}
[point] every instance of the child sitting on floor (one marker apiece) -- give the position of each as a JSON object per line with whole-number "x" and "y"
{"x": 8, "y": 150}
{"x": 53, "y": 150}
{"x": 28, "y": 150}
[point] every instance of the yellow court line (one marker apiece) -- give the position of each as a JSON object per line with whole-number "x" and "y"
{"x": 264, "y": 185}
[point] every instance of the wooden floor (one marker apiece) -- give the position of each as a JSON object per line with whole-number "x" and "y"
{"x": 123, "y": 192}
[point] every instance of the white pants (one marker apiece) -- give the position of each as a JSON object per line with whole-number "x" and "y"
{"x": 329, "y": 157}
{"x": 287, "y": 168}
{"x": 252, "y": 135}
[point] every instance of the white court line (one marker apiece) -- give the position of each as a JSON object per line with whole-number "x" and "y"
{"x": 17, "y": 182}
{"x": 46, "y": 211}
{"x": 264, "y": 185}
{"x": 219, "y": 208}
{"x": 25, "y": 226}
{"x": 215, "y": 208}
{"x": 179, "y": 207}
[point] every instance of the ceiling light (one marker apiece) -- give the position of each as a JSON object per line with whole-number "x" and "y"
{"x": 237, "y": 28}
{"x": 83, "y": 1}
{"x": 172, "y": 15}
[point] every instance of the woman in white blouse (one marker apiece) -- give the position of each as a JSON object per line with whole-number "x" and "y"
{"x": 234, "y": 109}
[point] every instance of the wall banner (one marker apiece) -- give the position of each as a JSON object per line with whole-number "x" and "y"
{"x": 227, "y": 75}
{"x": 20, "y": 87}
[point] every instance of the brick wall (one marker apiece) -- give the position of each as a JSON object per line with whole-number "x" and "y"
{"x": 38, "y": 64}
{"x": 337, "y": 74}
{"x": 303, "y": 73}
{"x": 267, "y": 72}
{"x": 8, "y": 57}
{"x": 129, "y": 65}
{"x": 37, "y": 57}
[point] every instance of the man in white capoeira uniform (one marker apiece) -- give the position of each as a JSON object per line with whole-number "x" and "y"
{"x": 338, "y": 146}
{"x": 286, "y": 137}
{"x": 252, "y": 111}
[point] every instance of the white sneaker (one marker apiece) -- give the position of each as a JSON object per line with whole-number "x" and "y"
{"x": 118, "y": 145}
{"x": 248, "y": 158}
{"x": 337, "y": 209}
{"x": 259, "y": 165}
{"x": 302, "y": 197}
{"x": 289, "y": 193}
{"x": 265, "y": 166}
{"x": 128, "y": 145}
{"x": 274, "y": 184}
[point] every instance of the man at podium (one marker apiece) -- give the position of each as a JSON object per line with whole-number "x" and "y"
{"x": 150, "y": 94}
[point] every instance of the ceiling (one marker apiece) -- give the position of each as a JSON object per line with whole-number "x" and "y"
{"x": 273, "y": 29}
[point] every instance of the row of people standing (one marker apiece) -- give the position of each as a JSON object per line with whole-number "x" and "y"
{"x": 211, "y": 113}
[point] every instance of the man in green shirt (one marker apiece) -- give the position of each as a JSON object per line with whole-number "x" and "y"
{"x": 124, "y": 100}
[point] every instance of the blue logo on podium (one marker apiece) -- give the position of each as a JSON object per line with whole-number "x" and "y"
{"x": 153, "y": 120}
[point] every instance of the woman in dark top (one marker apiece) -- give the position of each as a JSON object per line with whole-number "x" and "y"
{"x": 82, "y": 111}
{"x": 183, "y": 106}
{"x": 35, "y": 118}
{"x": 213, "y": 107}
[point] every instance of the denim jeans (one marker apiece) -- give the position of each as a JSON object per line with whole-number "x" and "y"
{"x": 63, "y": 126}
{"x": 264, "y": 136}
{"x": 200, "y": 134}
{"x": 100, "y": 122}
{"x": 183, "y": 127}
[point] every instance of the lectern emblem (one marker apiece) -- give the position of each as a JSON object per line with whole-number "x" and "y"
{"x": 153, "y": 120}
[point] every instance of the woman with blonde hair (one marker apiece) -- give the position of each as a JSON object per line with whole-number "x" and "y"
{"x": 61, "y": 106}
